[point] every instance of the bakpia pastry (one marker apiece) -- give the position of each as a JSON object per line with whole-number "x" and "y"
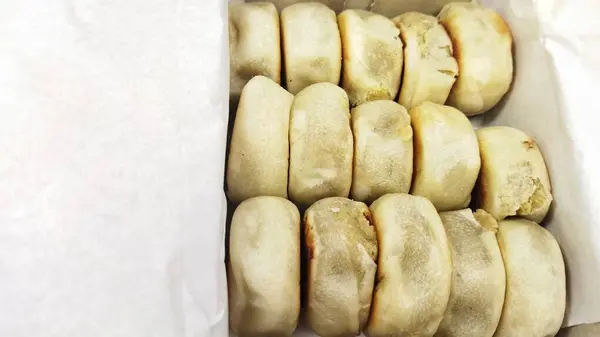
{"x": 478, "y": 278}
{"x": 321, "y": 145}
{"x": 514, "y": 179}
{"x": 535, "y": 280}
{"x": 372, "y": 56}
{"x": 414, "y": 267}
{"x": 312, "y": 47}
{"x": 342, "y": 250}
{"x": 483, "y": 48}
{"x": 336, "y": 5}
{"x": 254, "y": 49}
{"x": 264, "y": 268}
{"x": 383, "y": 150}
{"x": 446, "y": 154}
{"x": 259, "y": 150}
{"x": 429, "y": 67}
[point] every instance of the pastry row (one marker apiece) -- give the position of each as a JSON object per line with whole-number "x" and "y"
{"x": 396, "y": 268}
{"x": 390, "y": 7}
{"x": 313, "y": 146}
{"x": 462, "y": 58}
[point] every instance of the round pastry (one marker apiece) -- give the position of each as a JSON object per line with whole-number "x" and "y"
{"x": 414, "y": 267}
{"x": 336, "y": 5}
{"x": 372, "y": 56}
{"x": 429, "y": 67}
{"x": 483, "y": 48}
{"x": 259, "y": 150}
{"x": 321, "y": 145}
{"x": 264, "y": 268}
{"x": 514, "y": 179}
{"x": 535, "y": 280}
{"x": 312, "y": 47}
{"x": 478, "y": 279}
{"x": 447, "y": 158}
{"x": 342, "y": 250}
{"x": 253, "y": 49}
{"x": 383, "y": 150}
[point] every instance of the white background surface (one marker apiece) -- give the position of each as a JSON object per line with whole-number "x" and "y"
{"x": 113, "y": 118}
{"x": 112, "y": 138}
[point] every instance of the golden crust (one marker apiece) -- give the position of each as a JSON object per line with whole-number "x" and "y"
{"x": 414, "y": 267}
{"x": 321, "y": 145}
{"x": 447, "y": 160}
{"x": 478, "y": 279}
{"x": 264, "y": 268}
{"x": 383, "y": 150}
{"x": 336, "y": 5}
{"x": 483, "y": 48}
{"x": 514, "y": 179}
{"x": 259, "y": 150}
{"x": 372, "y": 56}
{"x": 429, "y": 67}
{"x": 253, "y": 49}
{"x": 342, "y": 250}
{"x": 535, "y": 280}
{"x": 312, "y": 47}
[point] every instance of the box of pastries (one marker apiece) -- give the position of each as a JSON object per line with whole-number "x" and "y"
{"x": 299, "y": 168}
{"x": 401, "y": 168}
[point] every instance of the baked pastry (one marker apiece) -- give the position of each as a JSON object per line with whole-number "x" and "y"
{"x": 259, "y": 150}
{"x": 429, "y": 67}
{"x": 535, "y": 280}
{"x": 383, "y": 150}
{"x": 312, "y": 47}
{"x": 414, "y": 267}
{"x": 478, "y": 279}
{"x": 514, "y": 179}
{"x": 336, "y": 5}
{"x": 321, "y": 145}
{"x": 342, "y": 255}
{"x": 254, "y": 49}
{"x": 372, "y": 56}
{"x": 264, "y": 268}
{"x": 447, "y": 159}
{"x": 483, "y": 48}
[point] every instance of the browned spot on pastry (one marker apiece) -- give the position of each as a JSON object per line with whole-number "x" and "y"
{"x": 500, "y": 26}
{"x": 418, "y": 148}
{"x": 319, "y": 63}
{"x": 249, "y": 70}
{"x": 482, "y": 191}
{"x": 455, "y": 43}
{"x": 447, "y": 72}
{"x": 486, "y": 220}
{"x": 374, "y": 315}
{"x": 529, "y": 144}
{"x": 367, "y": 215}
{"x": 310, "y": 243}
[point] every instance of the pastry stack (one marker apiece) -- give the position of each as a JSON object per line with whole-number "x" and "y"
{"x": 358, "y": 154}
